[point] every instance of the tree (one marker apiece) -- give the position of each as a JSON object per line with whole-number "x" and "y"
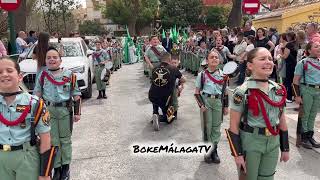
{"x": 91, "y": 28}
{"x": 235, "y": 15}
{"x": 3, "y": 23}
{"x": 131, "y": 12}
{"x": 217, "y": 16}
{"x": 57, "y": 13}
{"x": 180, "y": 12}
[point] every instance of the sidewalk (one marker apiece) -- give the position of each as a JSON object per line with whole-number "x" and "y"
{"x": 292, "y": 119}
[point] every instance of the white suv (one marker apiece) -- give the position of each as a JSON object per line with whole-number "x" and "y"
{"x": 76, "y": 57}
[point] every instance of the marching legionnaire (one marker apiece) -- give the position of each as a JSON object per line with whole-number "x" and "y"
{"x": 202, "y": 54}
{"x": 153, "y": 53}
{"x": 212, "y": 98}
{"x": 306, "y": 85}
{"x": 257, "y": 121}
{"x": 163, "y": 82}
{"x": 23, "y": 119}
{"x": 100, "y": 58}
{"x": 59, "y": 89}
{"x": 178, "y": 87}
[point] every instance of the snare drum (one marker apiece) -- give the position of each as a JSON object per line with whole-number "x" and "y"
{"x": 231, "y": 69}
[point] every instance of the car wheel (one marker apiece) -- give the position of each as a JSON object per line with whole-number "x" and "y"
{"x": 88, "y": 92}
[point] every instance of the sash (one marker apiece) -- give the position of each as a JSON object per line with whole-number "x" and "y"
{"x": 255, "y": 101}
{"x": 312, "y": 64}
{"x": 155, "y": 51}
{"x": 213, "y": 79}
{"x": 52, "y": 80}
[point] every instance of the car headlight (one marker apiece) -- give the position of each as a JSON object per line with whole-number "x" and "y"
{"x": 79, "y": 69}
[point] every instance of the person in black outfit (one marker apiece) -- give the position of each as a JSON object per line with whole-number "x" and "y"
{"x": 162, "y": 86}
{"x": 290, "y": 57}
{"x": 248, "y": 31}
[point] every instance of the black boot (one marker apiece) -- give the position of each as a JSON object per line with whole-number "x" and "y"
{"x": 314, "y": 143}
{"x": 65, "y": 172}
{"x": 214, "y": 155}
{"x": 100, "y": 95}
{"x": 104, "y": 96}
{"x": 57, "y": 173}
{"x": 305, "y": 141}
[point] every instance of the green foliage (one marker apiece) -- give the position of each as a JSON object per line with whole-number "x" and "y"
{"x": 217, "y": 16}
{"x": 91, "y": 28}
{"x": 180, "y": 12}
{"x": 137, "y": 12}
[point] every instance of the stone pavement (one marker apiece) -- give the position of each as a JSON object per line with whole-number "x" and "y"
{"x": 103, "y": 139}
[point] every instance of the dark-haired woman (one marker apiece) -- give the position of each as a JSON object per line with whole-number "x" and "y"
{"x": 257, "y": 121}
{"x": 290, "y": 57}
{"x": 263, "y": 41}
{"x": 306, "y": 84}
{"x": 59, "y": 89}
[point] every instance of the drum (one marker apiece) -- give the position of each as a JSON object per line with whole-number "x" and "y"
{"x": 231, "y": 69}
{"x": 109, "y": 65}
{"x": 105, "y": 75}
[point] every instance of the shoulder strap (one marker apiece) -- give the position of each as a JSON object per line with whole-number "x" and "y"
{"x": 202, "y": 80}
{"x": 303, "y": 71}
{"x": 36, "y": 114}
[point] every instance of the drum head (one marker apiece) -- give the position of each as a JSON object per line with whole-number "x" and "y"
{"x": 230, "y": 68}
{"x": 109, "y": 65}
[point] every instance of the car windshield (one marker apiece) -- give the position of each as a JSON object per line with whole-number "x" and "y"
{"x": 70, "y": 49}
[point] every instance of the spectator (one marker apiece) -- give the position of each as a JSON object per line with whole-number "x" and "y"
{"x": 41, "y": 49}
{"x": 224, "y": 52}
{"x": 273, "y": 36}
{"x": 32, "y": 38}
{"x": 3, "y": 51}
{"x": 302, "y": 43}
{"x": 248, "y": 31}
{"x": 167, "y": 42}
{"x": 312, "y": 32}
{"x": 278, "y": 51}
{"x": 263, "y": 41}
{"x": 239, "y": 50}
{"x": 290, "y": 57}
{"x": 21, "y": 44}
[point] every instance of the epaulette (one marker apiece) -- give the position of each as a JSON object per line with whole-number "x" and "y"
{"x": 239, "y": 94}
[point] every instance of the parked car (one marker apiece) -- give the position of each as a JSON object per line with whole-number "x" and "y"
{"x": 76, "y": 57}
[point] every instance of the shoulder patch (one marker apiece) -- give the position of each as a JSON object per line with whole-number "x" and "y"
{"x": 237, "y": 98}
{"x": 46, "y": 117}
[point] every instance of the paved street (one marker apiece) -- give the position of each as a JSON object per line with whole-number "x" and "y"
{"x": 103, "y": 139}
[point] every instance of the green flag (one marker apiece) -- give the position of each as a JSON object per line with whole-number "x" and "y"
{"x": 163, "y": 34}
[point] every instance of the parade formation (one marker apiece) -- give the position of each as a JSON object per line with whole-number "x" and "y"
{"x": 242, "y": 84}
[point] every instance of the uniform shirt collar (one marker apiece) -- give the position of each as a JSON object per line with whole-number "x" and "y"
{"x": 253, "y": 85}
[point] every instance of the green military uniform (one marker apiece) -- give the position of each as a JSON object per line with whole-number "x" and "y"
{"x": 98, "y": 57}
{"x": 202, "y": 55}
{"x": 214, "y": 106}
{"x": 56, "y": 98}
{"x": 145, "y": 65}
{"x": 23, "y": 164}
{"x": 261, "y": 151}
{"x": 311, "y": 95}
{"x": 154, "y": 58}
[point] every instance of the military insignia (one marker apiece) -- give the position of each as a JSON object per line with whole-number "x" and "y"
{"x": 65, "y": 79}
{"x": 237, "y": 99}
{"x": 161, "y": 76}
{"x": 21, "y": 108}
{"x": 46, "y": 118}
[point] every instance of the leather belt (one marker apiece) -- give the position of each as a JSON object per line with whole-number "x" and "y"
{"x": 311, "y": 85}
{"x": 7, "y": 148}
{"x": 212, "y": 96}
{"x": 59, "y": 104}
{"x": 262, "y": 131}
